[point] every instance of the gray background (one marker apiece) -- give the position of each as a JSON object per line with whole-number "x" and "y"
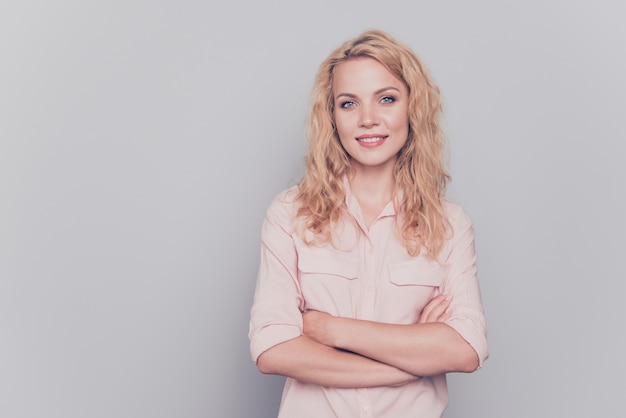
{"x": 141, "y": 141}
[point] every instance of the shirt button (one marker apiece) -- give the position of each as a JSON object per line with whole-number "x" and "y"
{"x": 371, "y": 250}
{"x": 365, "y": 408}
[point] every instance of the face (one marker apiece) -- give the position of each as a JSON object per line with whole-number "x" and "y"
{"x": 371, "y": 113}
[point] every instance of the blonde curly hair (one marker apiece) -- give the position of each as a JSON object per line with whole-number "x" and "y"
{"x": 419, "y": 172}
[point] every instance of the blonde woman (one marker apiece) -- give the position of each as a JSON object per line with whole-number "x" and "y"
{"x": 367, "y": 292}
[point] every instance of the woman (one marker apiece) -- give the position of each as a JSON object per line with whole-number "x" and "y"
{"x": 367, "y": 291}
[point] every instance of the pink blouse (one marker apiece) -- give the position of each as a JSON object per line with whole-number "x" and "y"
{"x": 367, "y": 275}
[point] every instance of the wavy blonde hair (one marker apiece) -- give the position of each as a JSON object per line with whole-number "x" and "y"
{"x": 419, "y": 172}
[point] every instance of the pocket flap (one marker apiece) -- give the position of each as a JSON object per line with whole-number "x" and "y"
{"x": 419, "y": 271}
{"x": 328, "y": 262}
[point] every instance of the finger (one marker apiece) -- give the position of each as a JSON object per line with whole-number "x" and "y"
{"x": 445, "y": 316}
{"x": 425, "y": 315}
{"x": 437, "y": 314}
{"x": 434, "y": 302}
{"x": 435, "y": 309}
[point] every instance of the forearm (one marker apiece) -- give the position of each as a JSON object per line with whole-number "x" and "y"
{"x": 419, "y": 349}
{"x": 309, "y": 361}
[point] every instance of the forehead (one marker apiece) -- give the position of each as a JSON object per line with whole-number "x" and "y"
{"x": 362, "y": 75}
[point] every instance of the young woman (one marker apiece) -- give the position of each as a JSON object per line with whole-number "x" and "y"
{"x": 367, "y": 291}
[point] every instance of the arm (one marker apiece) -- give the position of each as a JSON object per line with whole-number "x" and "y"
{"x": 309, "y": 361}
{"x": 421, "y": 349}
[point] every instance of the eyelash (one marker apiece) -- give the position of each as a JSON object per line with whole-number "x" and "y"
{"x": 384, "y": 100}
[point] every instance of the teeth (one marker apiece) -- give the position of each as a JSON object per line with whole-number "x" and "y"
{"x": 374, "y": 139}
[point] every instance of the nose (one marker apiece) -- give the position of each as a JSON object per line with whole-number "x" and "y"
{"x": 368, "y": 116}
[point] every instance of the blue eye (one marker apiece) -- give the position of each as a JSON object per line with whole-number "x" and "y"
{"x": 388, "y": 99}
{"x": 346, "y": 104}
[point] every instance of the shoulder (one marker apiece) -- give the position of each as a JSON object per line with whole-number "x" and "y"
{"x": 457, "y": 217}
{"x": 461, "y": 234}
{"x": 284, "y": 207}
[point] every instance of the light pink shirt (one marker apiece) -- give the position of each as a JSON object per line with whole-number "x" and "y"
{"x": 370, "y": 277}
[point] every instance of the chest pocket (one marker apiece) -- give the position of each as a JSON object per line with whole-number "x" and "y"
{"x": 412, "y": 284}
{"x": 327, "y": 279}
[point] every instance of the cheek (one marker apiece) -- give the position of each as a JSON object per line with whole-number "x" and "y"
{"x": 402, "y": 119}
{"x": 401, "y": 124}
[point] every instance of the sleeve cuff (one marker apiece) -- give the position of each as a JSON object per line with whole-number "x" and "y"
{"x": 271, "y": 335}
{"x": 474, "y": 338}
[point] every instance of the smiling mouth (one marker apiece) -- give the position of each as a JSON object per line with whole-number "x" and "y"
{"x": 371, "y": 139}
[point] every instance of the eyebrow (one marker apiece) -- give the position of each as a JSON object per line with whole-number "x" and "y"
{"x": 352, "y": 96}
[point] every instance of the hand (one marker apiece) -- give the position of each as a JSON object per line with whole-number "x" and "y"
{"x": 316, "y": 326}
{"x": 437, "y": 310}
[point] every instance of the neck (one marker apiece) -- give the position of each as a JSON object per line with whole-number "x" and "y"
{"x": 374, "y": 184}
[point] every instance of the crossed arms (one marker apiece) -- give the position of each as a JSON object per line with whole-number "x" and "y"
{"x": 345, "y": 352}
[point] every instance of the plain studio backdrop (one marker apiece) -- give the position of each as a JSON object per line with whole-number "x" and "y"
{"x": 141, "y": 142}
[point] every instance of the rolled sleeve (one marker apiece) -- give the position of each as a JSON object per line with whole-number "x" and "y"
{"x": 467, "y": 312}
{"x": 276, "y": 313}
